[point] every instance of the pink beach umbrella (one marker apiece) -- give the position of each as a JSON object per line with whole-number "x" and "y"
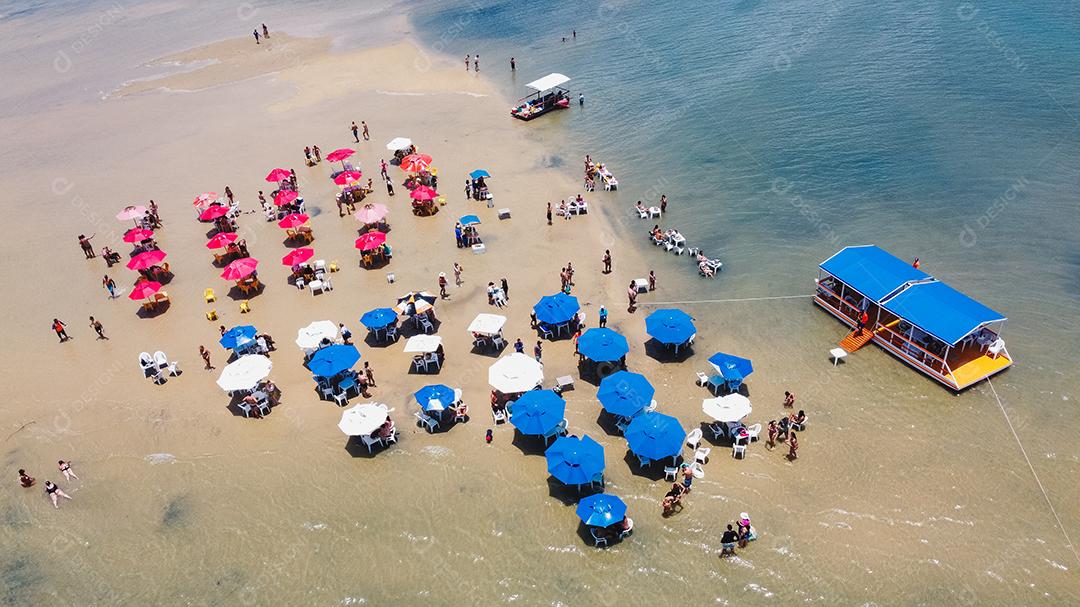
{"x": 214, "y": 212}
{"x": 240, "y": 269}
{"x": 339, "y": 155}
{"x": 204, "y": 199}
{"x": 144, "y": 289}
{"x": 371, "y": 241}
{"x": 222, "y": 240}
{"x": 371, "y": 213}
{"x": 347, "y": 177}
{"x": 137, "y": 235}
{"x": 284, "y": 197}
{"x": 131, "y": 212}
{"x": 423, "y": 193}
{"x": 293, "y": 221}
{"x": 278, "y": 175}
{"x": 414, "y": 163}
{"x": 145, "y": 260}
{"x": 297, "y": 256}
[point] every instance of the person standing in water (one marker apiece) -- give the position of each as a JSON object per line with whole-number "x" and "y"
{"x": 467, "y": 62}
{"x": 476, "y": 63}
{"x": 266, "y": 32}
{"x": 513, "y": 65}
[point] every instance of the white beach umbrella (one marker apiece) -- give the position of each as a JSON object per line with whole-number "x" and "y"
{"x": 364, "y": 419}
{"x": 515, "y": 373}
{"x": 312, "y": 335}
{"x": 422, "y": 344}
{"x": 245, "y": 372}
{"x": 398, "y": 143}
{"x": 487, "y": 324}
{"x": 730, "y": 408}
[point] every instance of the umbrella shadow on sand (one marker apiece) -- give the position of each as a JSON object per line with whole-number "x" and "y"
{"x": 489, "y": 351}
{"x": 569, "y": 494}
{"x": 664, "y": 353}
{"x": 296, "y": 242}
{"x": 376, "y": 342}
{"x": 529, "y": 445}
{"x": 237, "y": 294}
{"x": 653, "y": 472}
{"x": 607, "y": 422}
{"x": 153, "y": 312}
{"x": 410, "y": 328}
{"x": 356, "y": 448}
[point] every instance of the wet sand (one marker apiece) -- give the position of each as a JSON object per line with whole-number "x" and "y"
{"x": 184, "y": 502}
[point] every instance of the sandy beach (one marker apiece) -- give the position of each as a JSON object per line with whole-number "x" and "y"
{"x": 184, "y": 502}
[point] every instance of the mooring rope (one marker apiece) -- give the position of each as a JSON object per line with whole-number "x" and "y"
{"x": 697, "y": 301}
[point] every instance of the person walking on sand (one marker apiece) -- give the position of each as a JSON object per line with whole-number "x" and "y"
{"x": 25, "y": 479}
{"x": 789, "y": 399}
{"x": 773, "y": 432}
{"x": 58, "y": 326}
{"x": 389, "y": 187}
{"x": 229, "y": 194}
{"x": 266, "y": 32}
{"x": 442, "y": 286}
{"x": 519, "y": 346}
{"x": 363, "y": 127}
{"x": 631, "y": 294}
{"x": 603, "y": 317}
{"x": 87, "y": 248}
{"x": 793, "y": 447}
{"x": 476, "y": 63}
{"x": 457, "y": 274}
{"x": 513, "y": 65}
{"x": 506, "y": 289}
{"x": 538, "y": 351}
{"x": 205, "y": 354}
{"x": 607, "y": 261}
{"x": 98, "y": 328}
{"x": 467, "y": 62}
{"x": 109, "y": 285}
{"x": 55, "y": 492}
{"x": 307, "y": 155}
{"x": 256, "y": 34}
{"x": 65, "y": 467}
{"x": 370, "y": 374}
{"x": 549, "y": 213}
{"x": 652, "y": 280}
{"x": 318, "y": 153}
{"x": 355, "y": 131}
{"x": 382, "y": 168}
{"x": 346, "y": 334}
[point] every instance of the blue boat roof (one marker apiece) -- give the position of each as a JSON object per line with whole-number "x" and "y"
{"x": 941, "y": 311}
{"x": 871, "y": 270}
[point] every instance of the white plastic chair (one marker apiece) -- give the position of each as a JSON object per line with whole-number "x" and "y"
{"x": 499, "y": 416}
{"x": 432, "y": 359}
{"x": 419, "y": 363}
{"x": 625, "y": 533}
{"x": 693, "y": 438}
{"x": 598, "y": 539}
{"x": 161, "y": 360}
{"x": 701, "y": 454}
{"x": 702, "y": 378}
{"x": 799, "y": 427}
{"x": 341, "y": 398}
{"x": 146, "y": 363}
{"x": 245, "y": 408}
{"x": 651, "y": 407}
{"x": 738, "y": 451}
{"x": 425, "y": 324}
{"x": 671, "y": 473}
{"x": 753, "y": 431}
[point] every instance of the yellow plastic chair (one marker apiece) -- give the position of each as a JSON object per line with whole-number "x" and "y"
{"x": 209, "y": 295}
{"x": 211, "y": 315}
{"x": 244, "y": 307}
{"x": 333, "y": 266}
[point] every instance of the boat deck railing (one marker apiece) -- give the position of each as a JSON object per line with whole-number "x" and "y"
{"x": 913, "y": 350}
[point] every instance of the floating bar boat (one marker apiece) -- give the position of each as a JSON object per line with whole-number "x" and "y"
{"x": 917, "y": 318}
{"x": 550, "y": 95}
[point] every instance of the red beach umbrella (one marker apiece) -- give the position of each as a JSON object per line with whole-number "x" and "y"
{"x": 339, "y": 155}
{"x": 240, "y": 269}
{"x": 370, "y": 241}
{"x": 205, "y": 198}
{"x": 414, "y": 163}
{"x": 284, "y": 197}
{"x": 278, "y": 175}
{"x": 144, "y": 290}
{"x": 222, "y": 240}
{"x": 137, "y": 235}
{"x": 297, "y": 256}
{"x": 293, "y": 221}
{"x": 423, "y": 193}
{"x": 146, "y": 260}
{"x": 214, "y": 212}
{"x": 346, "y": 177}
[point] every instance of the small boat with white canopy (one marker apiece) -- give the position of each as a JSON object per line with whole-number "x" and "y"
{"x": 549, "y": 95}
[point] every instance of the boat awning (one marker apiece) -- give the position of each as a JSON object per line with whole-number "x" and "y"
{"x": 941, "y": 311}
{"x": 548, "y": 82}
{"x": 871, "y": 270}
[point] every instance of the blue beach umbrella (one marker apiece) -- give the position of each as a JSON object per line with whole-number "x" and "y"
{"x": 478, "y": 173}
{"x": 655, "y": 436}
{"x": 469, "y": 220}
{"x": 332, "y": 360}
{"x": 731, "y": 366}
{"x": 602, "y": 345}
{"x": 601, "y": 510}
{"x": 537, "y": 412}
{"x": 555, "y": 309}
{"x": 625, "y": 394}
{"x": 237, "y": 337}
{"x": 435, "y": 397}
{"x": 575, "y": 461}
{"x": 670, "y": 326}
{"x": 379, "y": 318}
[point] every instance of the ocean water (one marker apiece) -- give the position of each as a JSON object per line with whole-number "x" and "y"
{"x": 780, "y": 131}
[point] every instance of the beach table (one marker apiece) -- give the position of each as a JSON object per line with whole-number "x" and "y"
{"x": 348, "y": 384}
{"x": 715, "y": 382}
{"x": 837, "y": 355}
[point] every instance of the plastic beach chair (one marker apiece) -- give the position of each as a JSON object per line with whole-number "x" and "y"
{"x": 599, "y": 540}
{"x": 693, "y": 439}
{"x": 209, "y": 295}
